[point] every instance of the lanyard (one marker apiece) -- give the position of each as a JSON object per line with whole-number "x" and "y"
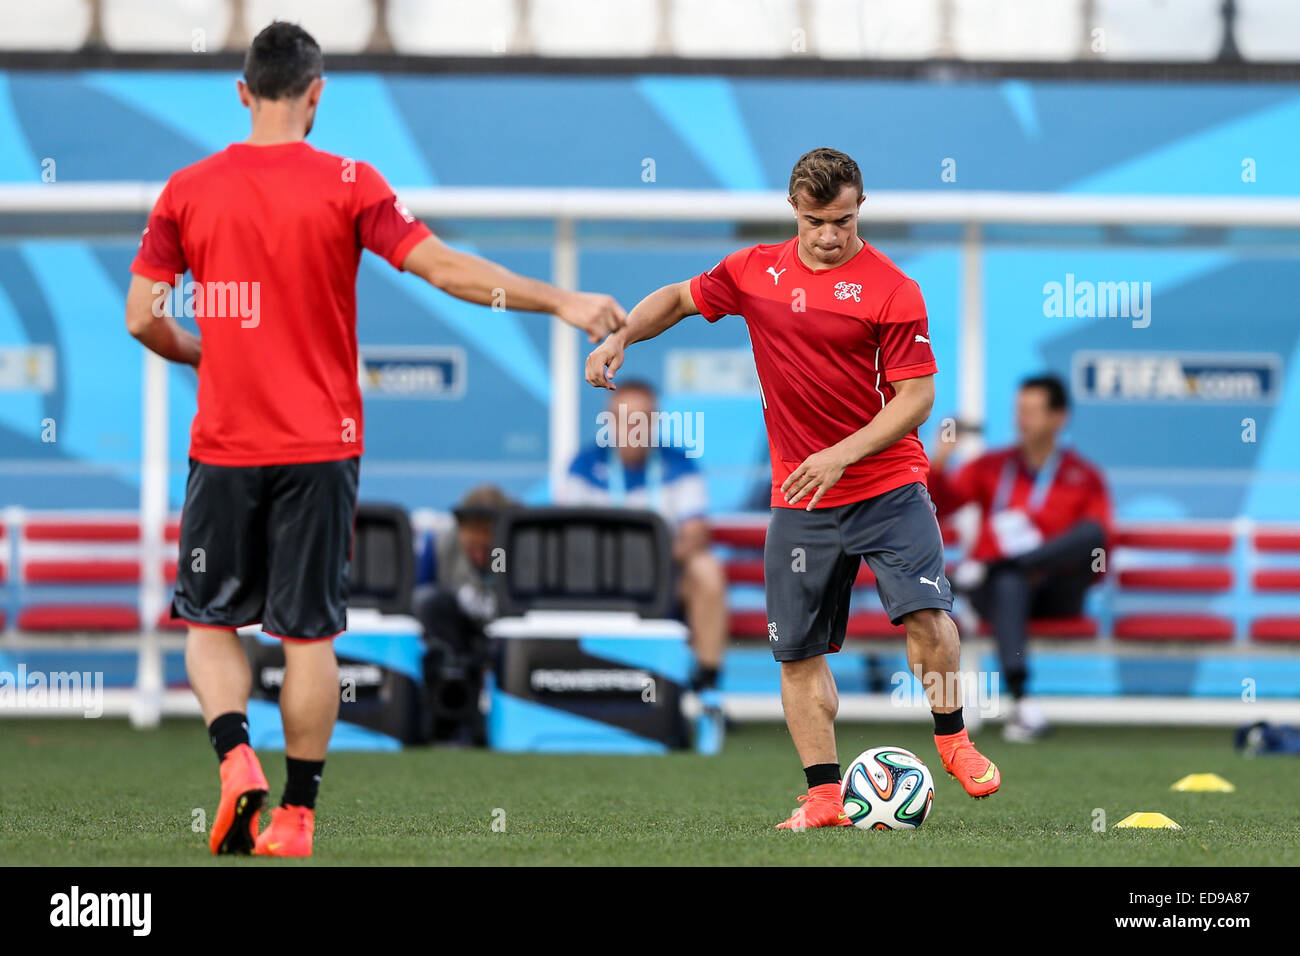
{"x": 654, "y": 474}
{"x": 1043, "y": 482}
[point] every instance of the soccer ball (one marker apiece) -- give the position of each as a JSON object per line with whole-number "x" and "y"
{"x": 887, "y": 788}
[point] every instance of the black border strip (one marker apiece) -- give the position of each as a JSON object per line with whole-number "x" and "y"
{"x": 1235, "y": 71}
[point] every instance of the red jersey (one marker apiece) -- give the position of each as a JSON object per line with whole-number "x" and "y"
{"x": 827, "y": 346}
{"x": 272, "y": 236}
{"x": 1056, "y": 498}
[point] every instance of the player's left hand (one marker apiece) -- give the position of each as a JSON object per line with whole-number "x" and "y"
{"x": 818, "y": 472}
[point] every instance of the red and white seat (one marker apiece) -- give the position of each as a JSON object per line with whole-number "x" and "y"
{"x": 78, "y": 573}
{"x": 1172, "y": 575}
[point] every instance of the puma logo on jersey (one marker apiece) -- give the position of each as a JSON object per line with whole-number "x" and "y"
{"x": 925, "y": 580}
{"x": 776, "y": 276}
{"x": 921, "y": 338}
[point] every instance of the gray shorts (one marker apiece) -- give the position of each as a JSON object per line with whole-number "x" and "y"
{"x": 811, "y": 559}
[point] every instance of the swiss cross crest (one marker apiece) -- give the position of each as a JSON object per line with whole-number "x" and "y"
{"x": 846, "y": 290}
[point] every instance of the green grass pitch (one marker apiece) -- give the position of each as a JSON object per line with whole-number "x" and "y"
{"x": 96, "y": 792}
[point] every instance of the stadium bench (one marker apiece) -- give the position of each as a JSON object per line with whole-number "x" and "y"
{"x": 1056, "y": 628}
{"x": 81, "y": 574}
{"x": 1273, "y": 580}
{"x": 1172, "y": 578}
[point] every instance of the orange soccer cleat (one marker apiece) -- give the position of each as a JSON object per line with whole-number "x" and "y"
{"x": 243, "y": 792}
{"x": 289, "y": 834}
{"x": 821, "y": 806}
{"x": 978, "y": 775}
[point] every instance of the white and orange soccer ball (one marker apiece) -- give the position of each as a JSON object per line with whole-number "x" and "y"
{"x": 887, "y": 788}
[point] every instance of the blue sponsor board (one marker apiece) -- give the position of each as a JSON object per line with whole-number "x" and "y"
{"x": 1180, "y": 377}
{"x": 401, "y": 371}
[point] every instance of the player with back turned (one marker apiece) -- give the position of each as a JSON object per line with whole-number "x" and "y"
{"x": 842, "y": 348}
{"x": 272, "y": 231}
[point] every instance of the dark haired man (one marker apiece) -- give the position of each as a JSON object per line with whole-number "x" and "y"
{"x": 842, "y": 349}
{"x": 272, "y": 231}
{"x": 1044, "y": 515}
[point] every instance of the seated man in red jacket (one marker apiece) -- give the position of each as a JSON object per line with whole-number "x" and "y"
{"x": 1045, "y": 513}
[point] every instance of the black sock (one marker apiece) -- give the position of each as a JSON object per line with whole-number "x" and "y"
{"x": 945, "y": 724}
{"x": 304, "y": 782}
{"x": 1016, "y": 683}
{"x": 227, "y": 732}
{"x": 821, "y": 773}
{"x": 706, "y": 678}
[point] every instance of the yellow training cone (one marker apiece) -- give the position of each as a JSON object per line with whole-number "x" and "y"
{"x": 1203, "y": 783}
{"x": 1148, "y": 821}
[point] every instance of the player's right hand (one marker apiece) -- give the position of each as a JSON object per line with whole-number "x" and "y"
{"x": 594, "y": 313}
{"x": 605, "y": 359}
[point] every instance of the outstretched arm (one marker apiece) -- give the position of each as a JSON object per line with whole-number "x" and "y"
{"x": 656, "y": 313}
{"x": 153, "y": 327}
{"x": 478, "y": 280}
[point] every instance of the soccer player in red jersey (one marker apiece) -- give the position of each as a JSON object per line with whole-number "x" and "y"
{"x": 272, "y": 231}
{"x": 846, "y": 374}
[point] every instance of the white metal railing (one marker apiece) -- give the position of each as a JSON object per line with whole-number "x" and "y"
{"x": 716, "y": 205}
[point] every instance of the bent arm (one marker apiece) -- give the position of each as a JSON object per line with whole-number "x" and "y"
{"x": 658, "y": 312}
{"x": 910, "y": 407}
{"x": 149, "y": 322}
{"x": 655, "y": 314}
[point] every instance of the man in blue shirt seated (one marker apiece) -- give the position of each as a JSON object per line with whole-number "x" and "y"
{"x": 647, "y": 461}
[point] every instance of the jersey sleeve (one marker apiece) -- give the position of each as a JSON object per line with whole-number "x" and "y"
{"x": 384, "y": 225}
{"x": 904, "y": 335}
{"x": 717, "y": 292}
{"x": 160, "y": 256}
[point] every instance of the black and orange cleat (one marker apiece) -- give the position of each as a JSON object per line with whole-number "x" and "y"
{"x": 290, "y": 832}
{"x": 243, "y": 794}
{"x": 978, "y": 775}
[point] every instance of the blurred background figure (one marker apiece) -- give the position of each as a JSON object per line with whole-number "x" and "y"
{"x": 639, "y": 471}
{"x": 1045, "y": 515}
{"x": 454, "y": 608}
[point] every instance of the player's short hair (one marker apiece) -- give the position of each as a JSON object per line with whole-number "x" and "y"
{"x": 481, "y": 505}
{"x": 1058, "y": 397}
{"x": 823, "y": 173}
{"x": 638, "y": 385}
{"x": 282, "y": 61}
